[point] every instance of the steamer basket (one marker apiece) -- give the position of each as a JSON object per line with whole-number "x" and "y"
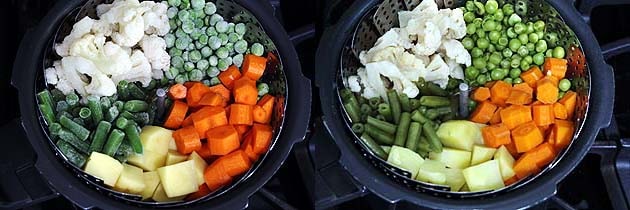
{"x": 384, "y": 16}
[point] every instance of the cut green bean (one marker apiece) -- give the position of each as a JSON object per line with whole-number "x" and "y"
{"x": 100, "y": 136}
{"x": 72, "y": 99}
{"x": 405, "y": 104}
{"x": 379, "y": 135}
{"x": 413, "y": 136}
{"x": 73, "y": 140}
{"x": 78, "y": 130}
{"x": 381, "y": 117}
{"x": 423, "y": 145}
{"x": 54, "y": 128}
{"x": 414, "y": 103}
{"x": 366, "y": 109}
{"x": 72, "y": 154}
{"x": 134, "y": 138}
{"x": 419, "y": 117}
{"x": 85, "y": 113}
{"x": 374, "y": 102}
{"x": 95, "y": 107}
{"x": 394, "y": 105}
{"x": 353, "y": 112}
{"x": 122, "y": 122}
{"x": 437, "y": 112}
{"x": 113, "y": 142}
{"x": 374, "y": 147}
{"x": 48, "y": 113}
{"x": 385, "y": 110}
{"x": 429, "y": 132}
{"x": 136, "y": 106}
{"x": 383, "y": 125}
{"x": 136, "y": 92}
{"x": 402, "y": 129}
{"x": 434, "y": 101}
{"x": 358, "y": 128}
{"x": 111, "y": 114}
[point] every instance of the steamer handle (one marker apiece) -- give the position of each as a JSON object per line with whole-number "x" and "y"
{"x": 24, "y": 183}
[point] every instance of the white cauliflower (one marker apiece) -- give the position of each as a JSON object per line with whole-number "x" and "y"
{"x": 454, "y": 49}
{"x": 368, "y": 90}
{"x": 50, "y": 75}
{"x": 154, "y": 49}
{"x": 100, "y": 84}
{"x": 155, "y": 19}
{"x": 429, "y": 38}
{"x": 110, "y": 58}
{"x": 140, "y": 71}
{"x": 438, "y": 71}
{"x": 79, "y": 29}
{"x": 455, "y": 69}
{"x": 401, "y": 83}
{"x": 353, "y": 83}
{"x": 130, "y": 33}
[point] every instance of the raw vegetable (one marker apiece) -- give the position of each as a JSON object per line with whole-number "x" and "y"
{"x": 104, "y": 167}
{"x": 130, "y": 180}
{"x": 485, "y": 176}
{"x": 178, "y": 179}
{"x": 405, "y": 159}
{"x": 459, "y": 134}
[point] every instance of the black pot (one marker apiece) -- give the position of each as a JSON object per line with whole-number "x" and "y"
{"x": 597, "y": 116}
{"x": 28, "y": 67}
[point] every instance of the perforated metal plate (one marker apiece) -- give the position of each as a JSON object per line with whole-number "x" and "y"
{"x": 274, "y": 76}
{"x": 385, "y": 16}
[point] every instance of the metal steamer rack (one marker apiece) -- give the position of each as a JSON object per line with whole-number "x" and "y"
{"x": 231, "y": 11}
{"x": 384, "y": 16}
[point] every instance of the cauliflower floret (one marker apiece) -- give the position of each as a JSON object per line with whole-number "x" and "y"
{"x": 155, "y": 19}
{"x": 109, "y": 58}
{"x": 154, "y": 49}
{"x": 51, "y": 76}
{"x": 454, "y": 49}
{"x": 100, "y": 84}
{"x": 353, "y": 84}
{"x": 81, "y": 28}
{"x": 455, "y": 69}
{"x": 69, "y": 76}
{"x": 130, "y": 33}
{"x": 457, "y": 26}
{"x": 140, "y": 71}
{"x": 438, "y": 71}
{"x": 429, "y": 38}
{"x": 368, "y": 90}
{"x": 391, "y": 71}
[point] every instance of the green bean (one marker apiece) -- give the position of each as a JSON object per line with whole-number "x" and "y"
{"x": 413, "y": 136}
{"x": 73, "y": 140}
{"x": 81, "y": 132}
{"x": 374, "y": 147}
{"x": 55, "y": 94}
{"x": 122, "y": 89}
{"x": 402, "y": 129}
{"x": 358, "y": 128}
{"x": 48, "y": 113}
{"x": 99, "y": 136}
{"x": 113, "y": 142}
{"x": 374, "y": 102}
{"x": 136, "y": 106}
{"x": 383, "y": 125}
{"x": 136, "y": 92}
{"x": 436, "y": 112}
{"x": 379, "y": 135}
{"x": 366, "y": 109}
{"x": 71, "y": 153}
{"x": 429, "y": 132}
{"x": 394, "y": 105}
{"x": 423, "y": 145}
{"x": 54, "y": 128}
{"x": 111, "y": 114}
{"x": 419, "y": 117}
{"x": 434, "y": 101}
{"x": 95, "y": 107}
{"x": 404, "y": 102}
{"x": 353, "y": 112}
{"x": 122, "y": 122}
{"x": 85, "y": 113}
{"x": 134, "y": 137}
{"x": 72, "y": 99}
{"x": 414, "y": 103}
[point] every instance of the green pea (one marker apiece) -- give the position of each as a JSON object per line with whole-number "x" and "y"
{"x": 491, "y": 6}
{"x": 520, "y": 28}
{"x": 189, "y": 66}
{"x": 514, "y": 19}
{"x": 495, "y": 58}
{"x": 491, "y": 48}
{"x": 517, "y": 80}
{"x": 523, "y": 38}
{"x": 471, "y": 72}
{"x": 493, "y": 36}
{"x": 561, "y": 94}
{"x": 469, "y": 17}
{"x": 479, "y": 63}
{"x": 530, "y": 27}
{"x": 477, "y": 22}
{"x": 515, "y": 62}
{"x": 529, "y": 59}
{"x": 548, "y": 53}
{"x": 558, "y": 52}
{"x": 476, "y": 52}
{"x": 481, "y": 79}
{"x": 480, "y": 8}
{"x": 539, "y": 25}
{"x": 508, "y": 80}
{"x": 491, "y": 66}
{"x": 508, "y": 9}
{"x": 496, "y": 74}
{"x": 531, "y": 47}
{"x": 524, "y": 65}
{"x": 538, "y": 59}
{"x": 505, "y": 63}
{"x": 515, "y": 73}
{"x": 541, "y": 46}
{"x": 468, "y": 43}
{"x": 482, "y": 43}
{"x": 510, "y": 33}
{"x": 480, "y": 34}
{"x": 498, "y": 15}
{"x": 489, "y": 25}
{"x": 514, "y": 44}
{"x": 564, "y": 84}
{"x": 503, "y": 41}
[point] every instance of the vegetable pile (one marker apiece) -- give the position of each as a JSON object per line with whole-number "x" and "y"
{"x": 165, "y": 126}
{"x": 523, "y": 108}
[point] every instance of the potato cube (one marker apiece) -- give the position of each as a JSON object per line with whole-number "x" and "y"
{"x": 104, "y": 167}
{"x": 179, "y": 179}
{"x": 130, "y": 180}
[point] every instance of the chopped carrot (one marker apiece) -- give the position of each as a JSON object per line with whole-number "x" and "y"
{"x": 241, "y": 114}
{"x": 223, "y": 140}
{"x": 519, "y": 97}
{"x": 187, "y": 140}
{"x": 207, "y": 118}
{"x": 481, "y": 94}
{"x": 523, "y": 87}
{"x": 531, "y": 76}
{"x": 489, "y": 84}
{"x": 215, "y": 176}
{"x": 177, "y": 92}
{"x": 551, "y": 137}
{"x": 556, "y": 67}
{"x": 499, "y": 92}
{"x": 526, "y": 137}
{"x": 525, "y": 166}
{"x": 267, "y": 102}
{"x": 544, "y": 129}
{"x": 242, "y": 129}
{"x": 245, "y": 91}
{"x": 543, "y": 154}
{"x": 221, "y": 90}
{"x": 496, "y": 135}
{"x": 569, "y": 100}
{"x": 248, "y": 148}
{"x": 260, "y": 115}
{"x": 235, "y": 163}
{"x": 187, "y": 121}
{"x": 496, "y": 117}
{"x": 515, "y": 115}
{"x": 559, "y": 111}
{"x": 229, "y": 76}
{"x": 203, "y": 190}
{"x": 176, "y": 115}
{"x": 511, "y": 147}
{"x": 543, "y": 114}
{"x": 563, "y": 132}
{"x": 195, "y": 93}
{"x": 261, "y": 137}
{"x": 189, "y": 84}
{"x": 254, "y": 66}
{"x": 510, "y": 181}
{"x": 547, "y": 91}
{"x": 204, "y": 152}
{"x": 483, "y": 113}
{"x": 213, "y": 99}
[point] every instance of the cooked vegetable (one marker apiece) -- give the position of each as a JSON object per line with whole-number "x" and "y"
{"x": 481, "y": 154}
{"x": 459, "y": 134}
{"x": 383, "y": 125}
{"x": 485, "y": 176}
{"x": 394, "y": 105}
{"x": 526, "y": 137}
{"x": 413, "y": 135}
{"x": 374, "y": 147}
{"x": 405, "y": 159}
{"x": 452, "y": 157}
{"x": 176, "y": 115}
{"x": 131, "y": 132}
{"x": 402, "y": 129}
